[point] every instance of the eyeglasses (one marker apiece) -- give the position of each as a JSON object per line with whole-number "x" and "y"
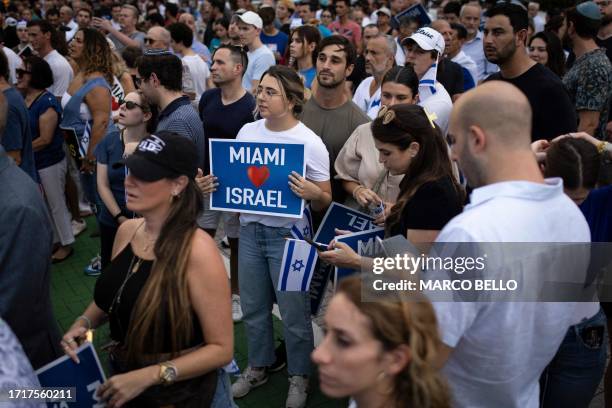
{"x": 129, "y": 105}
{"x": 22, "y": 72}
{"x": 148, "y": 40}
{"x": 267, "y": 93}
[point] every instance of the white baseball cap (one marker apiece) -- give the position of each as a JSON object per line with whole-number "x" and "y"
{"x": 251, "y": 18}
{"x": 428, "y": 39}
{"x": 384, "y": 10}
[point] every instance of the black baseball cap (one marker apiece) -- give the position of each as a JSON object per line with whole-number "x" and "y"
{"x": 162, "y": 155}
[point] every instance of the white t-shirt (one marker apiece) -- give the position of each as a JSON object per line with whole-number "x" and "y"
{"x": 370, "y": 104}
{"x": 62, "y": 73}
{"x": 14, "y": 62}
{"x": 439, "y": 103}
{"x": 501, "y": 348}
{"x": 316, "y": 158}
{"x": 199, "y": 73}
{"x": 259, "y": 61}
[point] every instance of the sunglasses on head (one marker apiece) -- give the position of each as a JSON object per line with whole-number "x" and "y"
{"x": 22, "y": 72}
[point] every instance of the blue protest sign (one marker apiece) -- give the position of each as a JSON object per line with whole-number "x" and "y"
{"x": 417, "y": 12}
{"x": 343, "y": 218}
{"x": 253, "y": 177}
{"x": 86, "y": 377}
{"x": 363, "y": 243}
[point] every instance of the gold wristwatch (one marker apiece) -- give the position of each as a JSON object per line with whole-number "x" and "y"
{"x": 167, "y": 373}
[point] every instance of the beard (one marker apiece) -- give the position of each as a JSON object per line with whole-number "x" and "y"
{"x": 335, "y": 83}
{"x": 504, "y": 55}
{"x": 607, "y": 19}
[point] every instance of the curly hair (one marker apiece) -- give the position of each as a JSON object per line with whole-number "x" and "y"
{"x": 394, "y": 322}
{"x": 96, "y": 56}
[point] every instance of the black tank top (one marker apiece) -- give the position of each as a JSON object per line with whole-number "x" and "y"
{"x": 106, "y": 294}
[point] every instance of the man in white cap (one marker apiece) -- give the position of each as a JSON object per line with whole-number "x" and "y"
{"x": 383, "y": 21}
{"x": 260, "y": 57}
{"x": 423, "y": 50}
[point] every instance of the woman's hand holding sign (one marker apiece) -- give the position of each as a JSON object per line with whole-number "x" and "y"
{"x": 318, "y": 193}
{"x": 207, "y": 184}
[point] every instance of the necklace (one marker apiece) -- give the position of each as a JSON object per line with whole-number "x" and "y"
{"x": 149, "y": 241}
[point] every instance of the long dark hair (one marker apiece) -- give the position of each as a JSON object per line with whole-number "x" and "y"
{"x": 554, "y": 49}
{"x": 410, "y": 123}
{"x": 165, "y": 300}
{"x": 96, "y": 56}
{"x": 307, "y": 34}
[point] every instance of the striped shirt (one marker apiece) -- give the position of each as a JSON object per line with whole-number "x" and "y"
{"x": 182, "y": 118}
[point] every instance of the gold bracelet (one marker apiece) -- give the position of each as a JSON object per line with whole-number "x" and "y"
{"x": 601, "y": 147}
{"x": 356, "y": 190}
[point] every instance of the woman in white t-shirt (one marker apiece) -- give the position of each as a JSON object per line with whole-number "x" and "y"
{"x": 280, "y": 98}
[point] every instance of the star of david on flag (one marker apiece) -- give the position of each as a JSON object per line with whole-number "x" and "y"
{"x": 303, "y": 228}
{"x": 297, "y": 268}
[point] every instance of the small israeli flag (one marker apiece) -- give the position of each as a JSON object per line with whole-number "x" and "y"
{"x": 303, "y": 228}
{"x": 297, "y": 268}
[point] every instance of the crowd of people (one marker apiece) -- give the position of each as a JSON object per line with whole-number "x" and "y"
{"x": 467, "y": 121}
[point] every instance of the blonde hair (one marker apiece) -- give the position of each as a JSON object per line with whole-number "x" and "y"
{"x": 394, "y": 322}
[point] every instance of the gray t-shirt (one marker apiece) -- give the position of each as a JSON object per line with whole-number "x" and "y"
{"x": 136, "y": 35}
{"x": 259, "y": 61}
{"x": 334, "y": 127}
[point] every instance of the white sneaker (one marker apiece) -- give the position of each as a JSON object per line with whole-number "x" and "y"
{"x": 236, "y": 309}
{"x": 249, "y": 379}
{"x": 297, "y": 395}
{"x": 78, "y": 227}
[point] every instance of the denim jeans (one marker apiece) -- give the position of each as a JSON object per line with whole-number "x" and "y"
{"x": 259, "y": 263}
{"x": 572, "y": 377}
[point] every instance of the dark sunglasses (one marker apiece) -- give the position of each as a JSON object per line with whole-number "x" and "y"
{"x": 129, "y": 105}
{"x": 22, "y": 72}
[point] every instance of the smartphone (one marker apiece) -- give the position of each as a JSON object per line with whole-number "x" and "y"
{"x": 317, "y": 245}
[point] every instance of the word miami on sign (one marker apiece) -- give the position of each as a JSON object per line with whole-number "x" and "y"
{"x": 253, "y": 177}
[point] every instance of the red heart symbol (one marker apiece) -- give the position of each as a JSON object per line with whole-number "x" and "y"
{"x": 258, "y": 175}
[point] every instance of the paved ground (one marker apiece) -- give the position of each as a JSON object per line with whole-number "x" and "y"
{"x": 72, "y": 291}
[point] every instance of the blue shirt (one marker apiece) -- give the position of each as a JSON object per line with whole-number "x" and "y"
{"x": 54, "y": 152}
{"x": 18, "y": 135}
{"x": 109, "y": 151}
{"x": 278, "y": 41}
{"x": 596, "y": 210}
{"x": 181, "y": 117}
{"x": 309, "y": 75}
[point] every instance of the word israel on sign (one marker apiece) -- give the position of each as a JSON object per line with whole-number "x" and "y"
{"x": 85, "y": 377}
{"x": 297, "y": 267}
{"x": 340, "y": 217}
{"x": 254, "y": 177}
{"x": 366, "y": 243}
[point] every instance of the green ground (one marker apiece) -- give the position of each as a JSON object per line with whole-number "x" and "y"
{"x": 71, "y": 292}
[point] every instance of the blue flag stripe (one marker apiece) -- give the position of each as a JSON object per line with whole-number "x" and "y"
{"x": 308, "y": 271}
{"x": 285, "y": 276}
{"x": 297, "y": 233}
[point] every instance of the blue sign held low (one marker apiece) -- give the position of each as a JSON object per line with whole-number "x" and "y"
{"x": 366, "y": 243}
{"x": 254, "y": 177}
{"x": 86, "y": 377}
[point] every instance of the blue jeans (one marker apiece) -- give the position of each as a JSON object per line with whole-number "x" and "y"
{"x": 572, "y": 377}
{"x": 259, "y": 263}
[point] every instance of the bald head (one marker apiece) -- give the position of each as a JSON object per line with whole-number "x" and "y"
{"x": 189, "y": 20}
{"x": 440, "y": 26}
{"x": 159, "y": 38}
{"x": 500, "y": 109}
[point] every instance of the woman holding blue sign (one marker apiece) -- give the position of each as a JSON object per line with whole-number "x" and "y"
{"x": 280, "y": 98}
{"x": 409, "y": 143}
{"x": 165, "y": 293}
